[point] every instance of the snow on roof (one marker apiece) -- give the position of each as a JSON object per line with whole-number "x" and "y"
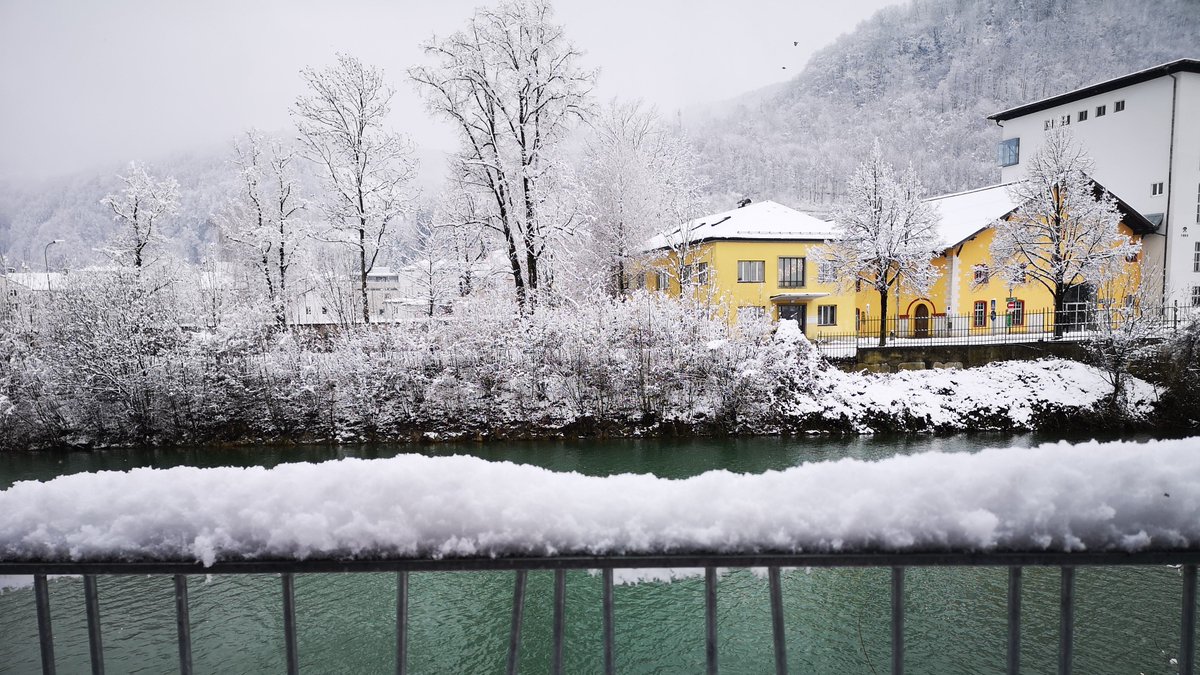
{"x": 964, "y": 214}
{"x": 37, "y": 281}
{"x": 757, "y": 220}
{"x": 1055, "y": 497}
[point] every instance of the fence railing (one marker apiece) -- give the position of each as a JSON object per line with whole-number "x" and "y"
{"x": 896, "y": 561}
{"x": 1078, "y": 322}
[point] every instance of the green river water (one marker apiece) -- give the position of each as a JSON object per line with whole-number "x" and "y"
{"x": 836, "y": 619}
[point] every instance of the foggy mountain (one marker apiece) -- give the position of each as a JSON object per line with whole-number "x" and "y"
{"x": 922, "y": 78}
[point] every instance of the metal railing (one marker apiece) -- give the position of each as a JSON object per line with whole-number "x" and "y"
{"x": 898, "y": 562}
{"x": 1004, "y": 327}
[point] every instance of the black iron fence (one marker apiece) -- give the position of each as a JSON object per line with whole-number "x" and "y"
{"x": 1078, "y": 321}
{"x": 897, "y": 562}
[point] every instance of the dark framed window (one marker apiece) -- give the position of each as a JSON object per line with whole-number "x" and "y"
{"x": 979, "y": 316}
{"x": 1083, "y": 115}
{"x": 1118, "y": 106}
{"x": 1196, "y": 258}
{"x": 1156, "y": 189}
{"x": 1066, "y": 119}
{"x": 791, "y": 272}
{"x": 982, "y": 275}
{"x": 1100, "y": 110}
{"x": 1010, "y": 151}
{"x": 826, "y": 273}
{"x": 1195, "y": 296}
{"x": 752, "y": 271}
{"x": 826, "y": 315}
{"x": 661, "y": 281}
{"x": 696, "y": 274}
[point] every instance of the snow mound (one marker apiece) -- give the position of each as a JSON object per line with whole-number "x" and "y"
{"x": 1090, "y": 496}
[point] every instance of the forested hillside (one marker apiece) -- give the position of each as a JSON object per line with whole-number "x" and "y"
{"x": 922, "y": 78}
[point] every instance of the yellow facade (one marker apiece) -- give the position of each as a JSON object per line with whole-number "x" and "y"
{"x": 789, "y": 285}
{"x": 783, "y": 282}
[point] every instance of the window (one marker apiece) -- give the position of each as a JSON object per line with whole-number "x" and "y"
{"x": 308, "y": 310}
{"x": 1196, "y": 258}
{"x": 1156, "y": 189}
{"x": 826, "y": 273}
{"x": 1195, "y": 296}
{"x": 980, "y": 314}
{"x": 696, "y": 274}
{"x": 1010, "y": 151}
{"x": 380, "y": 311}
{"x": 661, "y": 281}
{"x": 1016, "y": 315}
{"x": 858, "y": 285}
{"x": 982, "y": 275}
{"x": 1048, "y": 125}
{"x": 1082, "y": 115}
{"x": 1100, "y": 110}
{"x": 751, "y": 271}
{"x": 1065, "y": 120}
{"x": 1118, "y": 106}
{"x": 791, "y": 272}
{"x": 324, "y": 310}
{"x": 751, "y": 313}
{"x": 826, "y": 315}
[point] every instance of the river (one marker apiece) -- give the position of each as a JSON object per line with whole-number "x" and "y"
{"x": 836, "y": 619}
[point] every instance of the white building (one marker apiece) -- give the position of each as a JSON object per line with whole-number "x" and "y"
{"x": 1143, "y": 131}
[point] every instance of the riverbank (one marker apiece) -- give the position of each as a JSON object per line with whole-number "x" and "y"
{"x": 640, "y": 369}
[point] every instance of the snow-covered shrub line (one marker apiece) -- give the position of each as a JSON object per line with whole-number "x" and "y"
{"x": 1091, "y": 496}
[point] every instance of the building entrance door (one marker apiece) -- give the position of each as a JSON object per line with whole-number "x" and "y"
{"x": 796, "y": 313}
{"x": 921, "y": 321}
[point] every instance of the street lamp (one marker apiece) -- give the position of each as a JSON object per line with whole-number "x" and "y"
{"x": 46, "y": 259}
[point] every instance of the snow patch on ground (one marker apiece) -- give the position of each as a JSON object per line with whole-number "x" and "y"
{"x": 1090, "y": 496}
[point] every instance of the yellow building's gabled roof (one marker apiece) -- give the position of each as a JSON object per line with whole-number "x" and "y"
{"x": 965, "y": 214}
{"x": 764, "y": 220}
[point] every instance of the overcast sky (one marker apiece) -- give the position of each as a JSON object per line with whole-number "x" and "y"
{"x": 87, "y": 84}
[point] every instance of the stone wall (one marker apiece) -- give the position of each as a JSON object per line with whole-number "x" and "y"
{"x": 890, "y": 359}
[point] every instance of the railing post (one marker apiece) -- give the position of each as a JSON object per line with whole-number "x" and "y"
{"x": 560, "y": 619}
{"x": 91, "y": 599}
{"x": 1187, "y": 642}
{"x": 514, "y": 638}
{"x": 1014, "y": 620}
{"x": 776, "y": 588}
{"x": 41, "y": 594}
{"x": 610, "y": 660}
{"x": 710, "y": 620}
{"x": 897, "y": 621}
{"x": 183, "y": 624}
{"x": 401, "y": 623}
{"x": 1066, "y": 620}
{"x": 289, "y": 623}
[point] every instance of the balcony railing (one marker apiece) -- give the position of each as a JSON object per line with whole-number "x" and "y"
{"x": 521, "y": 566}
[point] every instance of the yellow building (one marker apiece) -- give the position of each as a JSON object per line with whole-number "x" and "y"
{"x": 753, "y": 261}
{"x": 756, "y": 261}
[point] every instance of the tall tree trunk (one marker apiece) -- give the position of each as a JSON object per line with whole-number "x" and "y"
{"x": 362, "y": 277}
{"x": 883, "y": 303}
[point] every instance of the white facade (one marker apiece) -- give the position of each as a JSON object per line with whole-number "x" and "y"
{"x": 1143, "y": 131}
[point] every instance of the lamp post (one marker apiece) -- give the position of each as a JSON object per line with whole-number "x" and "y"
{"x": 46, "y": 259}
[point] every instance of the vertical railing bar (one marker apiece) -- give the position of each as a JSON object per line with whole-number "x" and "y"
{"x": 289, "y": 623}
{"x": 91, "y": 598}
{"x": 560, "y": 617}
{"x": 41, "y": 594}
{"x": 1187, "y": 642}
{"x": 514, "y": 639}
{"x": 897, "y": 621}
{"x": 183, "y": 624}
{"x": 401, "y": 623}
{"x": 1014, "y": 620}
{"x": 610, "y": 660}
{"x": 1066, "y": 620}
{"x": 777, "y": 634}
{"x": 710, "y": 619}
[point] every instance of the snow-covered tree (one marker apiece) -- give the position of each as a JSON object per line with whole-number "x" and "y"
{"x": 432, "y": 270}
{"x": 640, "y": 177}
{"x": 367, "y": 169}
{"x": 510, "y": 84}
{"x": 263, "y": 218}
{"x": 139, "y": 208}
{"x": 885, "y": 236}
{"x": 1126, "y": 325}
{"x": 1065, "y": 230}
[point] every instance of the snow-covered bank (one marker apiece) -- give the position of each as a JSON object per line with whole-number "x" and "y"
{"x": 1091, "y": 496}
